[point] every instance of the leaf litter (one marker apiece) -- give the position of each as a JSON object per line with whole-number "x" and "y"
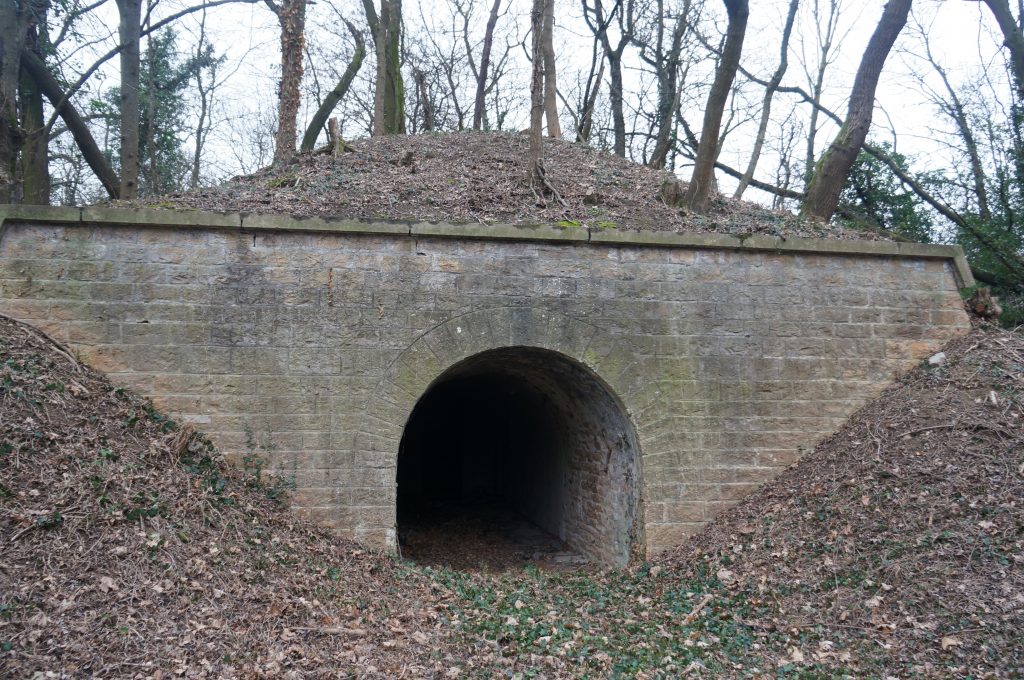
{"x": 480, "y": 177}
{"x": 129, "y": 549}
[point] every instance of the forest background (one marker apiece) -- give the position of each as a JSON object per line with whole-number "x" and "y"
{"x": 774, "y": 101}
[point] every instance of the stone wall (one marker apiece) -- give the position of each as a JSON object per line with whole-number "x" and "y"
{"x": 729, "y": 357}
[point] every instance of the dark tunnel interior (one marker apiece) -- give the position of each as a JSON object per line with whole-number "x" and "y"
{"x": 514, "y": 438}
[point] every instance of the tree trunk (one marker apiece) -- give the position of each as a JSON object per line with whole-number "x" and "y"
{"x": 147, "y": 131}
{"x": 766, "y": 105}
{"x": 335, "y": 143}
{"x": 205, "y": 94}
{"x": 394, "y": 101}
{"x": 339, "y": 91}
{"x": 818, "y": 86}
{"x": 615, "y": 97}
{"x": 590, "y": 96}
{"x": 536, "y": 95}
{"x": 129, "y": 29}
{"x": 550, "y": 75}
{"x": 1013, "y": 40}
{"x": 485, "y": 64}
{"x": 668, "y": 94}
{"x": 15, "y": 18}
{"x": 830, "y": 174}
{"x": 76, "y": 124}
{"x": 35, "y": 160}
{"x": 389, "y": 93}
{"x": 291, "y": 16}
{"x": 424, "y": 97}
{"x": 698, "y": 193}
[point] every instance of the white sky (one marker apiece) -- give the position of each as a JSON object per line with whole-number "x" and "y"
{"x": 960, "y": 30}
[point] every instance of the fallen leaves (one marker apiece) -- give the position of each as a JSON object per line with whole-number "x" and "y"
{"x": 473, "y": 177}
{"x": 950, "y": 641}
{"x": 154, "y": 565}
{"x": 897, "y": 526}
{"x": 900, "y": 563}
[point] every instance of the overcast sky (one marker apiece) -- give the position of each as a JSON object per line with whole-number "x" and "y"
{"x": 961, "y": 35}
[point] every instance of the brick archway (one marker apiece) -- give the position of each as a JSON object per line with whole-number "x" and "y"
{"x": 436, "y": 353}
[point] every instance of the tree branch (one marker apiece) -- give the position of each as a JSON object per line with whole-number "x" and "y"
{"x": 336, "y": 95}
{"x": 76, "y": 124}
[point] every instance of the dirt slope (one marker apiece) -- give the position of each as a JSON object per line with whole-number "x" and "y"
{"x": 480, "y": 177}
{"x": 126, "y": 547}
{"x": 893, "y": 550}
{"x": 897, "y": 546}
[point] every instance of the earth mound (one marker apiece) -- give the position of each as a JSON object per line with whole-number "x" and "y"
{"x": 127, "y": 548}
{"x": 475, "y": 177}
{"x": 897, "y": 546}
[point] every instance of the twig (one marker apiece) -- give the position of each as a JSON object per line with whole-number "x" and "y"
{"x": 22, "y": 532}
{"x": 696, "y": 610}
{"x": 43, "y": 336}
{"x": 358, "y": 632}
{"x": 952, "y": 426}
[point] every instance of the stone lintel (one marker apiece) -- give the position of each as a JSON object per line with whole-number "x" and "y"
{"x": 497, "y": 231}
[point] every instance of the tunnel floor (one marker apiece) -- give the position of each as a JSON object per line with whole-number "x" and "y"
{"x": 482, "y": 536}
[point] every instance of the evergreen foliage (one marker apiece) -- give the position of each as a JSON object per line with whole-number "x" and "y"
{"x": 873, "y": 195}
{"x": 164, "y": 79}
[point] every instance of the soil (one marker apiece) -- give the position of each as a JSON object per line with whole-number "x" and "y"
{"x": 475, "y": 177}
{"x": 128, "y": 549}
{"x": 902, "y": 535}
{"x": 482, "y": 536}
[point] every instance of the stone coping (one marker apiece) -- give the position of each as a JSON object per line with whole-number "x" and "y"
{"x": 571, "y": 234}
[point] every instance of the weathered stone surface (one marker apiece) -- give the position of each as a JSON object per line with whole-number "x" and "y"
{"x": 310, "y": 343}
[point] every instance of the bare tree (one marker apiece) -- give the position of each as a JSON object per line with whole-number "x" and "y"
{"x": 423, "y": 97}
{"x": 952, "y": 107}
{"x": 205, "y": 91}
{"x": 663, "y": 56}
{"x": 76, "y": 124}
{"x": 479, "y": 104}
{"x": 830, "y": 174}
{"x": 1013, "y": 39}
{"x": 698, "y": 192}
{"x": 339, "y": 91}
{"x": 766, "y": 105}
{"x": 590, "y": 93}
{"x": 600, "y": 23}
{"x": 827, "y": 38}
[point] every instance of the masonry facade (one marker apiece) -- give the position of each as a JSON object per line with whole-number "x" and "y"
{"x": 727, "y": 358}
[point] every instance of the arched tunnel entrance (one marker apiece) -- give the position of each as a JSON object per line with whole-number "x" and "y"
{"x": 518, "y": 449}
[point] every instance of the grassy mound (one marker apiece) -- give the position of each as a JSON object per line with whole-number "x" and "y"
{"x": 474, "y": 177}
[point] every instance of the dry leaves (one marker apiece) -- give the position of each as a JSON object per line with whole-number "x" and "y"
{"x": 474, "y": 177}
{"x": 127, "y": 549}
{"x": 900, "y": 539}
